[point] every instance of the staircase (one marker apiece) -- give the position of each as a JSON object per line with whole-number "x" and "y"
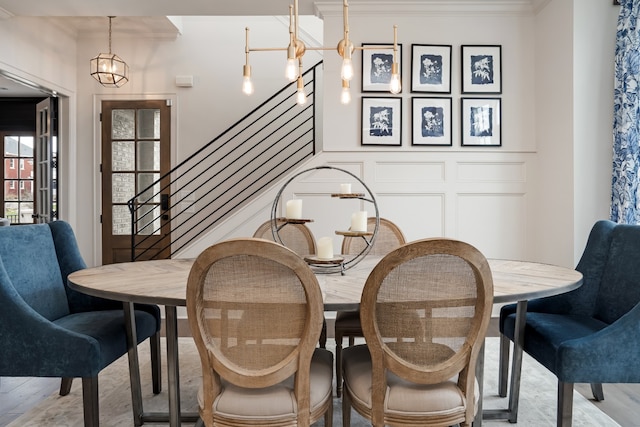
{"x": 227, "y": 173}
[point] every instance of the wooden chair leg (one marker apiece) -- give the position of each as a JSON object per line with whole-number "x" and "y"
{"x": 328, "y": 416}
{"x": 565, "y": 404}
{"x": 338, "y": 363}
{"x": 323, "y": 334}
{"x": 598, "y": 393}
{"x": 503, "y": 368}
{"x": 156, "y": 365}
{"x": 90, "y": 401}
{"x": 346, "y": 411}
{"x": 65, "y": 386}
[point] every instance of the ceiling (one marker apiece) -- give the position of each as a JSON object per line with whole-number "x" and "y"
{"x": 147, "y": 16}
{"x": 150, "y": 16}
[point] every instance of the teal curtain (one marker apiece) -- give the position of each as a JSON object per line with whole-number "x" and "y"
{"x": 625, "y": 203}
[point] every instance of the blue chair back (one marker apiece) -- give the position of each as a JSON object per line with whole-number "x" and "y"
{"x": 28, "y": 254}
{"x": 619, "y": 289}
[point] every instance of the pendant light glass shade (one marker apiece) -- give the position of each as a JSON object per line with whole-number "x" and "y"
{"x": 108, "y": 68}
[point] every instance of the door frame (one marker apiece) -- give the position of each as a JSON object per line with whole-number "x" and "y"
{"x": 97, "y": 155}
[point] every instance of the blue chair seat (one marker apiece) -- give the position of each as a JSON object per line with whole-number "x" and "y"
{"x": 105, "y": 329}
{"x": 547, "y": 332}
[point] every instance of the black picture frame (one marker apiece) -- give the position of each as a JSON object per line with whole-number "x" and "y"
{"x": 481, "y": 67}
{"x": 481, "y": 122}
{"x": 431, "y": 68}
{"x": 431, "y": 121}
{"x": 381, "y": 120}
{"x": 377, "y": 59}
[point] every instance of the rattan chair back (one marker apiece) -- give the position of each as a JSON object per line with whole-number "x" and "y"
{"x": 297, "y": 237}
{"x": 425, "y": 310}
{"x": 388, "y": 237}
{"x": 255, "y": 310}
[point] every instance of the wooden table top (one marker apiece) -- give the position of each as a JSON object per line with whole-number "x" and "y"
{"x": 164, "y": 282}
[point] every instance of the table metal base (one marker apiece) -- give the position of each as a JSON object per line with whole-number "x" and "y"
{"x": 174, "y": 417}
{"x": 510, "y": 413}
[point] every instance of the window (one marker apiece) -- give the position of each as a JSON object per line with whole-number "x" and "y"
{"x": 18, "y": 198}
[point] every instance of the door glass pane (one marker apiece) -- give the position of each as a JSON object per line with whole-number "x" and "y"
{"x": 10, "y": 168}
{"x": 122, "y": 187}
{"x": 149, "y": 155}
{"x": 11, "y": 190}
{"x": 26, "y": 168}
{"x": 152, "y": 194}
{"x": 11, "y": 146}
{"x": 122, "y": 156}
{"x": 149, "y": 124}
{"x": 26, "y": 191}
{"x": 122, "y": 124}
{"x": 26, "y": 212}
{"x": 149, "y": 220}
{"x": 121, "y": 221}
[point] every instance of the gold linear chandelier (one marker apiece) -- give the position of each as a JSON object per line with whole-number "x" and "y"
{"x": 296, "y": 50}
{"x": 108, "y": 68}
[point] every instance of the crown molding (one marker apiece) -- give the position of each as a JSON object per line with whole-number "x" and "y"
{"x": 432, "y": 7}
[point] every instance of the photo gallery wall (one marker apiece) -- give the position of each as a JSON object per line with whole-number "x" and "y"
{"x": 431, "y": 114}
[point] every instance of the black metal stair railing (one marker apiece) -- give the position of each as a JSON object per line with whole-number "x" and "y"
{"x": 225, "y": 174}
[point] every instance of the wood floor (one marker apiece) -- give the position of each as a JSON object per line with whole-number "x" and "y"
{"x": 19, "y": 395}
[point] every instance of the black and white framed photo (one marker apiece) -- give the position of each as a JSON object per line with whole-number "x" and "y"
{"x": 377, "y": 61}
{"x": 431, "y": 68}
{"x": 481, "y": 122}
{"x": 431, "y": 121}
{"x": 482, "y": 69}
{"x": 381, "y": 121}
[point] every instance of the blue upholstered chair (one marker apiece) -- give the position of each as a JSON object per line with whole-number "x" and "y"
{"x": 49, "y": 330}
{"x": 591, "y": 334}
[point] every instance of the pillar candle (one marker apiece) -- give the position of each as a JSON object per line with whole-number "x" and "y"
{"x": 359, "y": 221}
{"x": 294, "y": 209}
{"x": 345, "y": 188}
{"x": 325, "y": 248}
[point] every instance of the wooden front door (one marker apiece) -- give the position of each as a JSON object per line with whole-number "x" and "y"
{"x": 135, "y": 154}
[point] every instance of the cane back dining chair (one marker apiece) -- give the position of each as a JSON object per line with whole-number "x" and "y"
{"x": 388, "y": 238}
{"x": 588, "y": 335}
{"x": 50, "y": 330}
{"x": 425, "y": 311}
{"x": 298, "y": 238}
{"x": 256, "y": 311}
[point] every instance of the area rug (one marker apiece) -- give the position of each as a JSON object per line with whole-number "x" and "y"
{"x": 537, "y": 397}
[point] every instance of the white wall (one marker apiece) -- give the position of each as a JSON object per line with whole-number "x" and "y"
{"x": 535, "y": 197}
{"x": 594, "y": 34}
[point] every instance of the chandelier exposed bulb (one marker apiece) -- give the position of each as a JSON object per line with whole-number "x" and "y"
{"x": 345, "y": 95}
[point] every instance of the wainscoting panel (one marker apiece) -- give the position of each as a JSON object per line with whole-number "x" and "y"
{"x": 418, "y": 215}
{"x": 492, "y": 172}
{"x": 409, "y": 172}
{"x": 494, "y": 223}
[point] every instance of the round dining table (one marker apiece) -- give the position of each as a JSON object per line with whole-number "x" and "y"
{"x": 163, "y": 282}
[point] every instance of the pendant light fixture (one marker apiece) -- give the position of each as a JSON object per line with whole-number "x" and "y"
{"x": 297, "y": 48}
{"x": 108, "y": 68}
